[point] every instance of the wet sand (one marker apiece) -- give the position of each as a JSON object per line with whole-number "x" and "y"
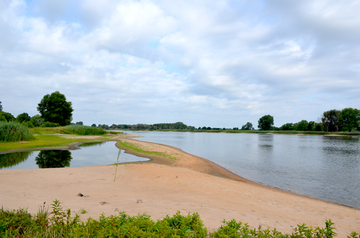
{"x": 162, "y": 186}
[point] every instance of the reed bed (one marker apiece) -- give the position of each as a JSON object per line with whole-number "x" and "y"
{"x": 83, "y": 130}
{"x": 14, "y": 131}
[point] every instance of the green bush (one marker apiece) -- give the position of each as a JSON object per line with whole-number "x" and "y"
{"x": 14, "y": 131}
{"x": 60, "y": 223}
{"x": 83, "y": 130}
{"x": 50, "y": 124}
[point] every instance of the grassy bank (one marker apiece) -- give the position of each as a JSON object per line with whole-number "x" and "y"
{"x": 133, "y": 147}
{"x": 60, "y": 223}
{"x": 49, "y": 137}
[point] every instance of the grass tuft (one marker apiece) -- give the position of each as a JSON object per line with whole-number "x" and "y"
{"x": 137, "y": 149}
{"x": 14, "y": 131}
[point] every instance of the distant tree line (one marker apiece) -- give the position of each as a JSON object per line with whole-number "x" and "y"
{"x": 348, "y": 119}
{"x": 139, "y": 127}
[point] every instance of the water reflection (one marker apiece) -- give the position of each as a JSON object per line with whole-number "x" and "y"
{"x": 53, "y": 159}
{"x": 90, "y": 154}
{"x": 11, "y": 159}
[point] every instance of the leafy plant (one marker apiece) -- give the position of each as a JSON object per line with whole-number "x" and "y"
{"x": 60, "y": 223}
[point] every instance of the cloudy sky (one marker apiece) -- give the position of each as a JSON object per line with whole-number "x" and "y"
{"x": 205, "y": 63}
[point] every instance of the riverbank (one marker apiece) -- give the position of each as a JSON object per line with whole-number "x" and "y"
{"x": 165, "y": 186}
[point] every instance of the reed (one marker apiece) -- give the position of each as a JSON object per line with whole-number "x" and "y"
{"x": 14, "y": 131}
{"x": 83, "y": 130}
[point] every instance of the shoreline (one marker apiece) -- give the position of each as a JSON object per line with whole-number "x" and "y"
{"x": 208, "y": 167}
{"x": 187, "y": 184}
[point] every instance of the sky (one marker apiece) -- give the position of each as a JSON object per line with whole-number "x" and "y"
{"x": 202, "y": 62}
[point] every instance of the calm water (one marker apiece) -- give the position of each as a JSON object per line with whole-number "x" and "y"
{"x": 322, "y": 167}
{"x": 90, "y": 154}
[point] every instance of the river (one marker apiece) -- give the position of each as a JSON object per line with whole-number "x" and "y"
{"x": 321, "y": 167}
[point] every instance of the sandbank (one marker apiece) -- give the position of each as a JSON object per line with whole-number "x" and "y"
{"x": 161, "y": 187}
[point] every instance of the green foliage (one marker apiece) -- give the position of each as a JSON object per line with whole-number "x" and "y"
{"x": 23, "y": 117}
{"x": 5, "y": 116}
{"x": 349, "y": 119}
{"x": 83, "y": 130}
{"x": 266, "y": 122}
{"x": 13, "y": 131}
{"x": 60, "y": 223}
{"x": 50, "y": 124}
{"x": 36, "y": 121}
{"x": 10, "y": 159}
{"x": 330, "y": 120}
{"x": 1, "y": 107}
{"x": 54, "y": 108}
{"x": 247, "y": 126}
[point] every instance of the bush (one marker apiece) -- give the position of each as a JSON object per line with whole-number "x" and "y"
{"x": 14, "y": 131}
{"x": 50, "y": 124}
{"x": 83, "y": 130}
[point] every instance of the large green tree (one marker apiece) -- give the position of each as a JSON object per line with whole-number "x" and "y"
{"x": 0, "y": 107}
{"x": 23, "y": 117}
{"x": 54, "y": 108}
{"x": 330, "y": 120}
{"x": 266, "y": 122}
{"x": 350, "y": 119}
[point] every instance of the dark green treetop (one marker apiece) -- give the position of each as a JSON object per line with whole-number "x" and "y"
{"x": 54, "y": 108}
{"x": 350, "y": 119}
{"x": 266, "y": 122}
{"x": 23, "y": 117}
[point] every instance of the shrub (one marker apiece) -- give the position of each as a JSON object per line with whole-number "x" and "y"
{"x": 83, "y": 130}
{"x": 14, "y": 131}
{"x": 50, "y": 124}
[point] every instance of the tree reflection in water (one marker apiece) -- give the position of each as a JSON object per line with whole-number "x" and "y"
{"x": 53, "y": 159}
{"x": 11, "y": 159}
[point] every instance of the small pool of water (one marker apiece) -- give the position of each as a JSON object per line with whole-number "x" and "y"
{"x": 89, "y": 154}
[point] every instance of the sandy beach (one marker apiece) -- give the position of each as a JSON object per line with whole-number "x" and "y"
{"x": 160, "y": 187}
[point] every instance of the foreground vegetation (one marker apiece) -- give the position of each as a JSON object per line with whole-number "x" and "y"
{"x": 60, "y": 223}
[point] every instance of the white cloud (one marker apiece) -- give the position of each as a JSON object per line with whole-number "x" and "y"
{"x": 153, "y": 60}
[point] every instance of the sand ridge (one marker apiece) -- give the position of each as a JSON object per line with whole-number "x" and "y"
{"x": 163, "y": 187}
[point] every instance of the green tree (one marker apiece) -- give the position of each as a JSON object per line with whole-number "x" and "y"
{"x": 23, "y": 117}
{"x": 349, "y": 119}
{"x": 5, "y": 116}
{"x": 302, "y": 125}
{"x": 287, "y": 127}
{"x": 54, "y": 108}
{"x": 0, "y": 107}
{"x": 36, "y": 120}
{"x": 247, "y": 126}
{"x": 265, "y": 122}
{"x": 330, "y": 120}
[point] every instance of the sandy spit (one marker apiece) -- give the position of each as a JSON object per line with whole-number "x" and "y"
{"x": 160, "y": 187}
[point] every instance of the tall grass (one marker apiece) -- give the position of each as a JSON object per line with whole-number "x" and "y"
{"x": 14, "y": 131}
{"x": 83, "y": 130}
